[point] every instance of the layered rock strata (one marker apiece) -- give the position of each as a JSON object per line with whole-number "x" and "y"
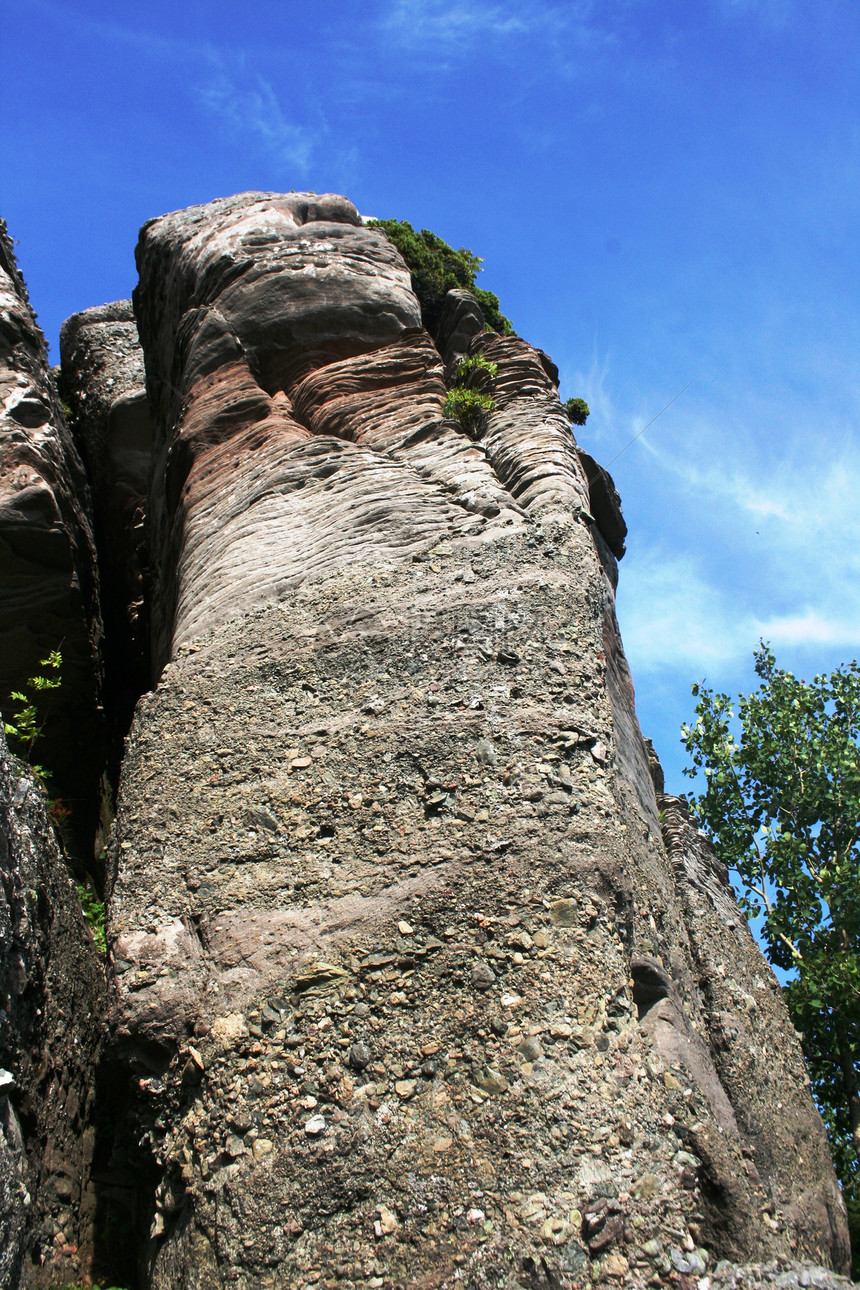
{"x": 51, "y": 1028}
{"x": 48, "y": 577}
{"x": 411, "y": 983}
{"x": 104, "y": 385}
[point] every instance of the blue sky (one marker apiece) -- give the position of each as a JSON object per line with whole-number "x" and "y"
{"x": 662, "y": 193}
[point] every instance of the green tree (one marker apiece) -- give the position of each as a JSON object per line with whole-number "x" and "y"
{"x": 781, "y": 804}
{"x": 437, "y": 268}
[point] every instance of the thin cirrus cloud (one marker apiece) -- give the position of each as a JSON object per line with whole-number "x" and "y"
{"x": 673, "y": 618}
{"x": 157, "y": 46}
{"x": 456, "y": 25}
{"x": 794, "y": 581}
{"x": 253, "y": 111}
{"x": 771, "y": 13}
{"x": 452, "y": 27}
{"x": 592, "y": 385}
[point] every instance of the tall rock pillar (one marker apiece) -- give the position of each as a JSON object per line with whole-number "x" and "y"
{"x": 414, "y": 993}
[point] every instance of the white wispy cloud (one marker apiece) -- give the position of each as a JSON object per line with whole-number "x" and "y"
{"x": 592, "y": 384}
{"x": 807, "y": 503}
{"x": 253, "y": 110}
{"x": 452, "y": 28}
{"x": 150, "y": 44}
{"x": 453, "y": 22}
{"x": 771, "y": 13}
{"x": 673, "y": 617}
{"x": 810, "y": 628}
{"x": 770, "y": 551}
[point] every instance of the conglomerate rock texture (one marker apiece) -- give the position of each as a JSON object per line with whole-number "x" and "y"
{"x": 415, "y": 992}
{"x": 52, "y": 1002}
{"x": 48, "y": 578}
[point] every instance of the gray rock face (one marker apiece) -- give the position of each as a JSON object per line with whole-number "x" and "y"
{"x": 52, "y": 993}
{"x": 48, "y": 578}
{"x": 104, "y": 383}
{"x": 461, "y": 320}
{"x": 605, "y": 504}
{"x": 745, "y": 1024}
{"x": 415, "y": 990}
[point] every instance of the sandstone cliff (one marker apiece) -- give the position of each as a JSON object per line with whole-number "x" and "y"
{"x": 413, "y": 980}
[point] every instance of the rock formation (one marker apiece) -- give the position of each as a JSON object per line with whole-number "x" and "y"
{"x": 103, "y": 382}
{"x": 414, "y": 980}
{"x": 48, "y": 579}
{"x": 51, "y": 1030}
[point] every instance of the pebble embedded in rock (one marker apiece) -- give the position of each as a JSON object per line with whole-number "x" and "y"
{"x": 564, "y": 913}
{"x": 483, "y": 976}
{"x": 530, "y": 1049}
{"x": 387, "y": 1222}
{"x": 359, "y": 1056}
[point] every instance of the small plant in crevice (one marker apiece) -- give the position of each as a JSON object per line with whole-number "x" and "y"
{"x": 473, "y": 366}
{"x": 469, "y": 408}
{"x": 93, "y": 1287}
{"x": 25, "y": 720}
{"x": 467, "y": 402}
{"x": 94, "y": 913}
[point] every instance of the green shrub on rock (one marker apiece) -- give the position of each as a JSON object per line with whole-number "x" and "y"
{"x": 26, "y": 718}
{"x": 578, "y": 411}
{"x": 467, "y": 402}
{"x": 436, "y": 269}
{"x": 468, "y": 407}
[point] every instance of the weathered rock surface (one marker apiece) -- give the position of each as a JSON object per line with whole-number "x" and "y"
{"x": 745, "y": 1024}
{"x": 48, "y": 577}
{"x": 51, "y": 1028}
{"x": 605, "y": 504}
{"x": 281, "y": 333}
{"x": 462, "y": 319}
{"x": 415, "y": 992}
{"x": 104, "y": 384}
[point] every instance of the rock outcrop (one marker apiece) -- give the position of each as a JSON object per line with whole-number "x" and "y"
{"x": 236, "y": 303}
{"x": 52, "y": 1003}
{"x": 104, "y": 384}
{"x": 412, "y": 984}
{"x": 48, "y": 578}
{"x": 414, "y": 980}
